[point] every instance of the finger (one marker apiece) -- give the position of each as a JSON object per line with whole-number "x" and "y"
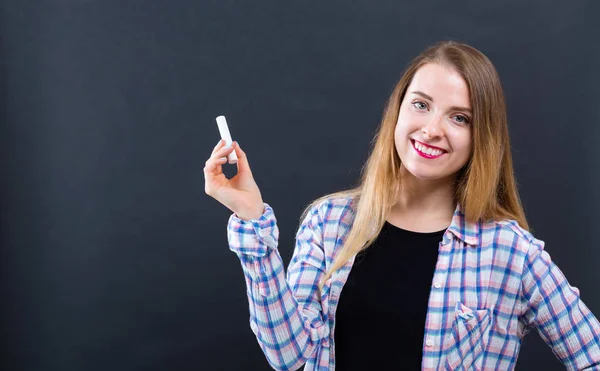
{"x": 219, "y": 145}
{"x": 213, "y": 166}
{"x": 242, "y": 163}
{"x": 223, "y": 152}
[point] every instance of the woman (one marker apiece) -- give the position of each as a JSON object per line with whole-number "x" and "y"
{"x": 431, "y": 251}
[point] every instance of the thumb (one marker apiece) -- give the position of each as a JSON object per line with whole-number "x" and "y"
{"x": 242, "y": 163}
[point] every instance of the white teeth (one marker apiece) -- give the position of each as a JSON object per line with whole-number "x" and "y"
{"x": 427, "y": 150}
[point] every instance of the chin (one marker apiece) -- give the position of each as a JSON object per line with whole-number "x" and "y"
{"x": 427, "y": 174}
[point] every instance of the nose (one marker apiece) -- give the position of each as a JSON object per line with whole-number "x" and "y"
{"x": 433, "y": 128}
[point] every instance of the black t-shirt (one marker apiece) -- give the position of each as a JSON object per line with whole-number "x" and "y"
{"x": 380, "y": 318}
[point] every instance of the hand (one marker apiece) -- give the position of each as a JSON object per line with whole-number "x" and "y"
{"x": 239, "y": 194}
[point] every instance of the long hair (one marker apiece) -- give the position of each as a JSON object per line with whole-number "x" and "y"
{"x": 485, "y": 188}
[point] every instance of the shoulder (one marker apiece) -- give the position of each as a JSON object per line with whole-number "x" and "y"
{"x": 510, "y": 235}
{"x": 334, "y": 209}
{"x": 330, "y": 217}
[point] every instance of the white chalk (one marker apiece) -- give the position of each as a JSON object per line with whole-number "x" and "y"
{"x": 226, "y": 136}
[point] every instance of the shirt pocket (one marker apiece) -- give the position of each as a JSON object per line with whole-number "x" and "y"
{"x": 469, "y": 336}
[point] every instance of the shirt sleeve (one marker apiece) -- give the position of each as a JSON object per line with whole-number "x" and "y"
{"x": 285, "y": 310}
{"x": 552, "y": 305}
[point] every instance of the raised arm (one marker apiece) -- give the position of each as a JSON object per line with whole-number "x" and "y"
{"x": 285, "y": 313}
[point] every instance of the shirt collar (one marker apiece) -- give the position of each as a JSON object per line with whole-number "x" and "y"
{"x": 463, "y": 229}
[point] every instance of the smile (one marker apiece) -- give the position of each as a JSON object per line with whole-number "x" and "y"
{"x": 427, "y": 151}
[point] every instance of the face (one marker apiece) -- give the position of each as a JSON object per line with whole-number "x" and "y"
{"x": 433, "y": 132}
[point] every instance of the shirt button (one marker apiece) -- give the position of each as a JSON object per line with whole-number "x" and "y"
{"x": 437, "y": 285}
{"x": 429, "y": 342}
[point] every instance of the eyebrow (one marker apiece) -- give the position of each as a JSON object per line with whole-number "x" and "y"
{"x": 454, "y": 108}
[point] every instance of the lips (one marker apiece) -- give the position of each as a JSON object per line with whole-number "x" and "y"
{"x": 426, "y": 151}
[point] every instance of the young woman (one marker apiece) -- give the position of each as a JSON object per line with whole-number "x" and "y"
{"x": 427, "y": 264}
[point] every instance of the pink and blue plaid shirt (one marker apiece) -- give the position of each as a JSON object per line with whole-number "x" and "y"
{"x": 493, "y": 283}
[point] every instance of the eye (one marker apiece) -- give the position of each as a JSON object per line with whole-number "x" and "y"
{"x": 420, "y": 105}
{"x": 461, "y": 119}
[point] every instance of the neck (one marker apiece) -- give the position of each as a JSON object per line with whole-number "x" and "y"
{"x": 434, "y": 198}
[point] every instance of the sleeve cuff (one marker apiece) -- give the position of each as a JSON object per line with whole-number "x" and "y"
{"x": 253, "y": 237}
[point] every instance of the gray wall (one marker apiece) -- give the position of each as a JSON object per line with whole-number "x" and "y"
{"x": 113, "y": 258}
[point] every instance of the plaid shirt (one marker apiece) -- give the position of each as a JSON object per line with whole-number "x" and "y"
{"x": 493, "y": 283}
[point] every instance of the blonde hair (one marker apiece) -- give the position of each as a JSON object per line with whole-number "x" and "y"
{"x": 486, "y": 187}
